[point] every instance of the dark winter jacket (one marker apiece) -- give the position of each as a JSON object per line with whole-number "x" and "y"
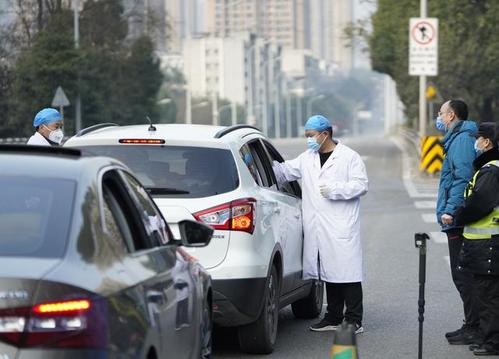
{"x": 481, "y": 256}
{"x": 457, "y": 169}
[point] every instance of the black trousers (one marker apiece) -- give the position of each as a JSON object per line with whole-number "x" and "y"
{"x": 344, "y": 301}
{"x": 463, "y": 281}
{"x": 488, "y": 299}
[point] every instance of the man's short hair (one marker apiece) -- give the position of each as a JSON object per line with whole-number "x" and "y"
{"x": 330, "y": 131}
{"x": 459, "y": 108}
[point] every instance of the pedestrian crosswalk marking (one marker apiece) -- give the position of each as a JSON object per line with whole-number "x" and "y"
{"x": 429, "y": 217}
{"x": 425, "y": 204}
{"x": 438, "y": 237}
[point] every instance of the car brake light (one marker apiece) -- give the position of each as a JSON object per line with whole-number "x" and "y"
{"x": 233, "y": 216}
{"x": 66, "y": 324}
{"x": 141, "y": 141}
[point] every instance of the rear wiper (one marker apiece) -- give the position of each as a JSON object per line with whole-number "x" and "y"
{"x": 165, "y": 190}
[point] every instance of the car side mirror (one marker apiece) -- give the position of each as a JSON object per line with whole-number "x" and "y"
{"x": 194, "y": 234}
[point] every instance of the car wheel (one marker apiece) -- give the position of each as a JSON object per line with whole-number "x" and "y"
{"x": 206, "y": 330}
{"x": 260, "y": 336}
{"x": 310, "y": 306}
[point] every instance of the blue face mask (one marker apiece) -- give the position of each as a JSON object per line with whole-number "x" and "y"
{"x": 313, "y": 144}
{"x": 440, "y": 125}
{"x": 478, "y": 150}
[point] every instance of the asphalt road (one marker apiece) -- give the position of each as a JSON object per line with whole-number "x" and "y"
{"x": 390, "y": 217}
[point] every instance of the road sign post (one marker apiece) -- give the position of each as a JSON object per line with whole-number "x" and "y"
{"x": 423, "y": 56}
{"x": 60, "y": 100}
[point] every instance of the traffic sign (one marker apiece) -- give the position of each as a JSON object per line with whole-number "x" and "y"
{"x": 431, "y": 92}
{"x": 60, "y": 98}
{"x": 423, "y": 47}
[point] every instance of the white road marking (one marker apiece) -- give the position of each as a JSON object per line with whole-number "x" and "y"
{"x": 425, "y": 204}
{"x": 410, "y": 187}
{"x": 438, "y": 237}
{"x": 429, "y": 217}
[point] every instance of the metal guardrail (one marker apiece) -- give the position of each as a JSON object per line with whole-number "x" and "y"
{"x": 412, "y": 137}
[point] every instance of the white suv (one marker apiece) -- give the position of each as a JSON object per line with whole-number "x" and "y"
{"x": 223, "y": 177}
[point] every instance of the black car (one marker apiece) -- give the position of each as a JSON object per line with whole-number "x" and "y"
{"x": 89, "y": 268}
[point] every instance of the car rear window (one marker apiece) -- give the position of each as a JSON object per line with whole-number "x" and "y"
{"x": 176, "y": 171}
{"x": 35, "y": 216}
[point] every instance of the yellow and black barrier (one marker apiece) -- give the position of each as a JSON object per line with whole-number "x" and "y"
{"x": 344, "y": 343}
{"x": 432, "y": 154}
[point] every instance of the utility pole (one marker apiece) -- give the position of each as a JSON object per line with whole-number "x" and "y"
{"x": 422, "y": 84}
{"x": 214, "y": 104}
{"x": 233, "y": 112}
{"x": 77, "y": 47}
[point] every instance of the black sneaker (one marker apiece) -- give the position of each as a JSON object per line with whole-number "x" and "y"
{"x": 324, "y": 326}
{"x": 457, "y": 332}
{"x": 466, "y": 337}
{"x": 486, "y": 350}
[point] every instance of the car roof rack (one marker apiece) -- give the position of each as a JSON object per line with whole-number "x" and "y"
{"x": 50, "y": 150}
{"x": 230, "y": 129}
{"x": 93, "y": 128}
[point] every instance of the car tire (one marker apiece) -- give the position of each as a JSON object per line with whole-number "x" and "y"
{"x": 311, "y": 306}
{"x": 260, "y": 336}
{"x": 206, "y": 330}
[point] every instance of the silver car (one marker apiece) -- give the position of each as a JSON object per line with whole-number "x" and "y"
{"x": 88, "y": 265}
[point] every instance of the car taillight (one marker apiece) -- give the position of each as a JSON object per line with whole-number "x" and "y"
{"x": 80, "y": 323}
{"x": 233, "y": 216}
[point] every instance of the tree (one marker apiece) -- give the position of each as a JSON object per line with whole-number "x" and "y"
{"x": 50, "y": 62}
{"x": 468, "y": 51}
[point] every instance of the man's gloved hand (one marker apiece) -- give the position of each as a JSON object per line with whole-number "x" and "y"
{"x": 325, "y": 191}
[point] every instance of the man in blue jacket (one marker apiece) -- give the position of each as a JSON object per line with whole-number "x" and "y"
{"x": 457, "y": 171}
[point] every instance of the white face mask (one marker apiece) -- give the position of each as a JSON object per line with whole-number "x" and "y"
{"x": 56, "y": 135}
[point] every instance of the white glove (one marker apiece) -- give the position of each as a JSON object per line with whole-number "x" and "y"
{"x": 325, "y": 191}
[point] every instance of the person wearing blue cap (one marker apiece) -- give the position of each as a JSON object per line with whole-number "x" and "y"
{"x": 333, "y": 179}
{"x": 48, "y": 124}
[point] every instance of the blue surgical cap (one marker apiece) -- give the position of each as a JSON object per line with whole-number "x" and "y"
{"x": 46, "y": 116}
{"x": 317, "y": 123}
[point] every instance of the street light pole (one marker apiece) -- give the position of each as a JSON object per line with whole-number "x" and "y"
{"x": 76, "y": 19}
{"x": 310, "y": 103}
{"x": 422, "y": 84}
{"x": 288, "y": 115}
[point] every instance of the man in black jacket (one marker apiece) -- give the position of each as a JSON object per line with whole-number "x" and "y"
{"x": 480, "y": 251}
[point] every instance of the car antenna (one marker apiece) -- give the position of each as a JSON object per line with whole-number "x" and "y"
{"x": 151, "y": 126}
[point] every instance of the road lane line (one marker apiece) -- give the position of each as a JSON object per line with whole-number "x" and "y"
{"x": 425, "y": 204}
{"x": 429, "y": 217}
{"x": 438, "y": 237}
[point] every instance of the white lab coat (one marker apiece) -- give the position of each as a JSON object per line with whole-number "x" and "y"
{"x": 38, "y": 140}
{"x": 332, "y": 225}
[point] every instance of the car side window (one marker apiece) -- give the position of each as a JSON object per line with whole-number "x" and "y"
{"x": 292, "y": 188}
{"x": 117, "y": 197}
{"x": 261, "y": 163}
{"x": 249, "y": 160}
{"x": 154, "y": 223}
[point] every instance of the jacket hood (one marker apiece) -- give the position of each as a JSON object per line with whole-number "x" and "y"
{"x": 468, "y": 127}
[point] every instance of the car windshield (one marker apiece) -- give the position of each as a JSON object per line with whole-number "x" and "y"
{"x": 176, "y": 171}
{"x": 35, "y": 216}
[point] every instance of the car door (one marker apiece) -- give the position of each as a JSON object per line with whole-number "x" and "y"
{"x": 289, "y": 199}
{"x": 272, "y": 205}
{"x": 173, "y": 293}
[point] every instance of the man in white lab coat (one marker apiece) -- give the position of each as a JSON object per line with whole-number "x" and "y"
{"x": 48, "y": 124}
{"x": 333, "y": 179}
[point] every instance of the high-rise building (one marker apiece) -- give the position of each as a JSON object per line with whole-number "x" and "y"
{"x": 280, "y": 21}
{"x": 243, "y": 69}
{"x": 185, "y": 20}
